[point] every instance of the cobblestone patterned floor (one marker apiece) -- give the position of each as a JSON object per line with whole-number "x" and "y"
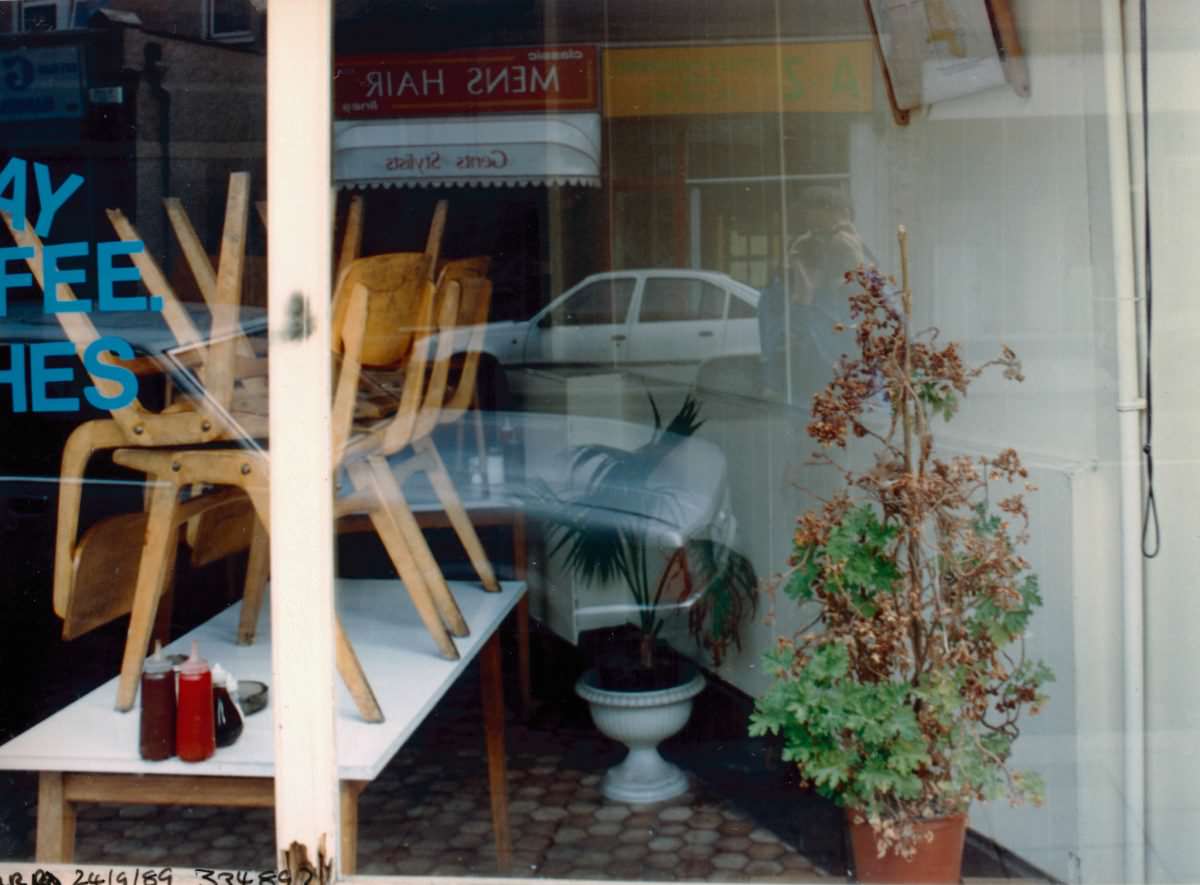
{"x": 428, "y": 813}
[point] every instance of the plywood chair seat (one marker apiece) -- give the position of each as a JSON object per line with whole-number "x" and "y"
{"x": 105, "y": 564}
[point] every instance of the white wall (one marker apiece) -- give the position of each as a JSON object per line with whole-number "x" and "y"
{"x": 1007, "y": 206}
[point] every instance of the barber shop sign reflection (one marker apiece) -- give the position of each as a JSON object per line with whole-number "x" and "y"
{"x": 474, "y": 159}
{"x": 507, "y": 80}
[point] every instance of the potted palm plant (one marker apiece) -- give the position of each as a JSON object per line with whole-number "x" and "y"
{"x": 901, "y": 699}
{"x": 610, "y": 530}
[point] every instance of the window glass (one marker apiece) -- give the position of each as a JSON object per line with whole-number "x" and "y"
{"x": 740, "y": 309}
{"x": 674, "y": 299}
{"x": 605, "y": 302}
{"x": 808, "y": 364}
{"x": 133, "y": 350}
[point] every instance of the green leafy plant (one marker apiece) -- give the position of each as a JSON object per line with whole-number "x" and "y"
{"x": 610, "y": 531}
{"x": 901, "y": 699}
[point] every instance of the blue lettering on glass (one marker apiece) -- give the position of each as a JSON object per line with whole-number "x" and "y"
{"x": 14, "y": 376}
{"x": 110, "y": 372}
{"x": 108, "y": 275}
{"x": 11, "y": 280}
{"x": 49, "y": 198}
{"x": 12, "y": 182}
{"x": 41, "y": 375}
{"x": 53, "y": 275}
{"x": 29, "y": 372}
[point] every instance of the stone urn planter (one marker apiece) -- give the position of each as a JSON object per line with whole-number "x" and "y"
{"x": 641, "y": 720}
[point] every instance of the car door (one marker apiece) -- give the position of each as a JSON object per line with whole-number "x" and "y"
{"x": 680, "y": 324}
{"x": 585, "y": 328}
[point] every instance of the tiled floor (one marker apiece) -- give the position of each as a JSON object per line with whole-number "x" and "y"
{"x": 428, "y": 813}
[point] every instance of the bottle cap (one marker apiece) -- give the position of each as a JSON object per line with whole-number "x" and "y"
{"x": 223, "y": 677}
{"x": 194, "y": 665}
{"x": 156, "y": 664}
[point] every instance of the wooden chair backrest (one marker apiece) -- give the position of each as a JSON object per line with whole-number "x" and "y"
{"x": 474, "y": 304}
{"x": 384, "y": 306}
{"x": 474, "y": 265}
{"x": 395, "y": 283}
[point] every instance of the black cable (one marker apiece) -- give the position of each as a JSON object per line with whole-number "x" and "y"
{"x": 1150, "y": 511}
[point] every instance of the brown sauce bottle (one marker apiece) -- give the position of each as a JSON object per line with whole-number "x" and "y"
{"x": 157, "y": 733}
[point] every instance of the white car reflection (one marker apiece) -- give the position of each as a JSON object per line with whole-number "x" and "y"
{"x": 660, "y": 322}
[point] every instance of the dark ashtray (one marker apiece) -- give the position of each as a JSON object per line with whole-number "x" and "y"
{"x": 252, "y": 696}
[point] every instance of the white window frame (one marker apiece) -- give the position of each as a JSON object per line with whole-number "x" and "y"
{"x": 62, "y": 13}
{"x": 300, "y": 216}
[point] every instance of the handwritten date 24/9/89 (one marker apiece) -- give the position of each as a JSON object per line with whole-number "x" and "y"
{"x": 163, "y": 876}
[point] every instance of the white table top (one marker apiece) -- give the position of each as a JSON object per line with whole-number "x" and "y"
{"x": 397, "y": 653}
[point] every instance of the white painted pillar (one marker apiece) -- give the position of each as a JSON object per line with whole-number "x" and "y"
{"x": 299, "y": 84}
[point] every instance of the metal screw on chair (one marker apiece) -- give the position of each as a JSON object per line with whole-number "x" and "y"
{"x": 206, "y": 426}
{"x": 245, "y": 470}
{"x": 176, "y": 466}
{"x": 138, "y": 429}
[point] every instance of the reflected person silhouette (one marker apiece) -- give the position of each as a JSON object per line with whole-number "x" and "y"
{"x": 813, "y": 280}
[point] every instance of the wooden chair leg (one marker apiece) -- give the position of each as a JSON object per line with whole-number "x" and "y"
{"x": 384, "y": 523}
{"x": 351, "y": 671}
{"x": 157, "y": 551}
{"x": 393, "y": 497}
{"x": 257, "y": 570}
{"x": 347, "y": 661}
{"x": 443, "y": 487}
{"x": 352, "y": 237}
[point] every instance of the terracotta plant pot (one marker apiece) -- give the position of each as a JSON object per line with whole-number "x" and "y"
{"x": 939, "y": 860}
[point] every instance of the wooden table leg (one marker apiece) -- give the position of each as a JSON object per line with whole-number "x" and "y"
{"x": 520, "y": 568}
{"x": 55, "y": 821}
{"x": 493, "y": 723}
{"x": 349, "y": 792}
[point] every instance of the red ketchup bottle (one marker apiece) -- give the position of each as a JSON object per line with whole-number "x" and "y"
{"x": 157, "y": 734}
{"x": 195, "y": 734}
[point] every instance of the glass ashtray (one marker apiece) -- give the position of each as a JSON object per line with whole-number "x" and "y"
{"x": 252, "y": 696}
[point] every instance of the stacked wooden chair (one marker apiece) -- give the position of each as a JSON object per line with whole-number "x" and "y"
{"x": 373, "y": 487}
{"x": 124, "y": 564}
{"x": 92, "y": 574}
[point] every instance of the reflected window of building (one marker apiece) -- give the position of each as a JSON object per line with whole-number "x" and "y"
{"x": 230, "y": 20}
{"x": 41, "y": 16}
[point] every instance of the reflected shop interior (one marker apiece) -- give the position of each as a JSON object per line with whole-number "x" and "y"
{"x": 741, "y": 432}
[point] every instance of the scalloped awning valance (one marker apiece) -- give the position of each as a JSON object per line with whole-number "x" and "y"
{"x": 485, "y": 151}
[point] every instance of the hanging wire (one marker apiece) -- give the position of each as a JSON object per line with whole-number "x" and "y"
{"x": 1150, "y": 511}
